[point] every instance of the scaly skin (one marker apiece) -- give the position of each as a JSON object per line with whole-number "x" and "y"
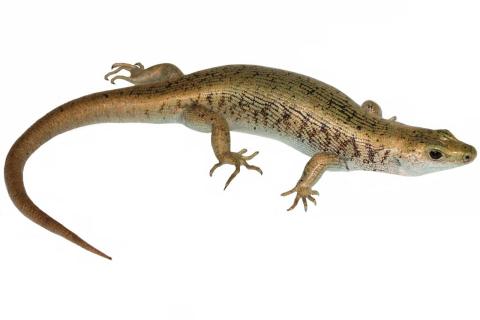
{"x": 305, "y": 113}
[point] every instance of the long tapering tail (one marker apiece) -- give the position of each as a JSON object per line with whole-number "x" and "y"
{"x": 121, "y": 105}
{"x": 57, "y": 121}
{"x": 16, "y": 189}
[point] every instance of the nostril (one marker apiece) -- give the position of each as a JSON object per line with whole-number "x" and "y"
{"x": 469, "y": 155}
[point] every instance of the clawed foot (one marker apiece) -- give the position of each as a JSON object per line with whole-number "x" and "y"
{"x": 134, "y": 69}
{"x": 237, "y": 159}
{"x": 303, "y": 193}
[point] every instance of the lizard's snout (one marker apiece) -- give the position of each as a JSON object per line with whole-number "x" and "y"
{"x": 470, "y": 155}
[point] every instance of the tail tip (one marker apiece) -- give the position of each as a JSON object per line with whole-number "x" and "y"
{"x": 101, "y": 254}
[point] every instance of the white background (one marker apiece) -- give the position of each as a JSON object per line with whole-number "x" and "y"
{"x": 377, "y": 246}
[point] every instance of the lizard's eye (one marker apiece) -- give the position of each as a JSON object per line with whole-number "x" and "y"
{"x": 435, "y": 154}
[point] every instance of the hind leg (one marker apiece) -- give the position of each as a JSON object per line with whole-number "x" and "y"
{"x": 163, "y": 72}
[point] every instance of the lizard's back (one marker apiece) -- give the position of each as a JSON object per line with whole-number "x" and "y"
{"x": 299, "y": 110}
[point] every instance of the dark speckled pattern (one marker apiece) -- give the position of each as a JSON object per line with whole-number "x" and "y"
{"x": 308, "y": 114}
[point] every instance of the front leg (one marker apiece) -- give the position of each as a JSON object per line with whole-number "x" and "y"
{"x": 374, "y": 109}
{"x": 314, "y": 169}
{"x": 203, "y": 119}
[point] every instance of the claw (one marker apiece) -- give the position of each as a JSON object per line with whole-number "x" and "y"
{"x": 286, "y": 193}
{"x": 233, "y": 175}
{"x": 215, "y": 166}
{"x": 250, "y": 167}
{"x": 237, "y": 159}
{"x": 250, "y": 157}
{"x": 305, "y": 206}
{"x": 295, "y": 202}
{"x": 303, "y": 193}
{"x": 127, "y": 65}
{"x": 132, "y": 68}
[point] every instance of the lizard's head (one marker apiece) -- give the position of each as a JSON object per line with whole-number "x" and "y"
{"x": 423, "y": 151}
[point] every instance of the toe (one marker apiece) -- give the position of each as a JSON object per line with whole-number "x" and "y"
{"x": 286, "y": 193}
{"x": 295, "y": 202}
{"x": 215, "y": 166}
{"x": 250, "y": 167}
{"x": 234, "y": 174}
{"x": 305, "y": 205}
{"x": 250, "y": 157}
